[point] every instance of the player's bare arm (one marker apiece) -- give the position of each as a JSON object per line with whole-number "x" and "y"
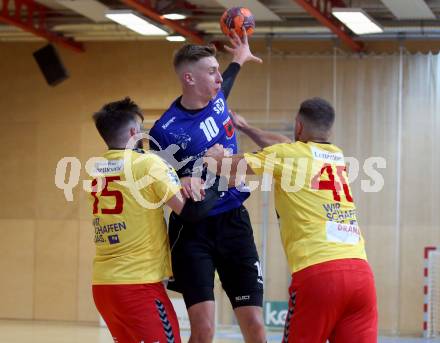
{"x": 217, "y": 156}
{"x": 177, "y": 202}
{"x": 260, "y": 137}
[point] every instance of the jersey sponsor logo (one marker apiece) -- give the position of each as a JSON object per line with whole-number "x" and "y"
{"x": 242, "y": 297}
{"x": 99, "y": 239}
{"x": 219, "y": 106}
{"x": 101, "y": 230}
{"x": 108, "y": 167}
{"x": 326, "y": 156}
{"x": 229, "y": 128}
{"x": 113, "y": 239}
{"x": 168, "y": 123}
{"x": 342, "y": 233}
{"x": 334, "y": 213}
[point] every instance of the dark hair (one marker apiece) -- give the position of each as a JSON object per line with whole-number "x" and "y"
{"x": 193, "y": 53}
{"x": 114, "y": 116}
{"x": 318, "y": 113}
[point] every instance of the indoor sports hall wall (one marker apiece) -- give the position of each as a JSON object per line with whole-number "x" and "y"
{"x": 387, "y": 106}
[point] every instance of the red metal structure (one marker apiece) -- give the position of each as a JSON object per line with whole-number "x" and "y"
{"x": 426, "y": 301}
{"x": 322, "y": 11}
{"x": 31, "y": 17}
{"x": 151, "y": 13}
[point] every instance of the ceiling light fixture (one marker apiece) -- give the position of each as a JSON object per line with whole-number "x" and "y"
{"x": 357, "y": 20}
{"x": 175, "y": 38}
{"x": 135, "y": 22}
{"x": 174, "y": 16}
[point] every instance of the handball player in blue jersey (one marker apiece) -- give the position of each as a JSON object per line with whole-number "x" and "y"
{"x": 224, "y": 241}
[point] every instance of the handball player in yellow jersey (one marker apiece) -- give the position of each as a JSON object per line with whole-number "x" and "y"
{"x": 332, "y": 293}
{"x": 129, "y": 190}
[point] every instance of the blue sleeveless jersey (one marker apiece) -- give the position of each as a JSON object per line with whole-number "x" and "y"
{"x": 193, "y": 135}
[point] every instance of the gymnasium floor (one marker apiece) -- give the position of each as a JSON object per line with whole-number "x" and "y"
{"x": 13, "y": 331}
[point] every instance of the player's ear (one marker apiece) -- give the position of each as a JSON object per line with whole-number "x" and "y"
{"x": 299, "y": 127}
{"x": 188, "y": 78}
{"x": 132, "y": 131}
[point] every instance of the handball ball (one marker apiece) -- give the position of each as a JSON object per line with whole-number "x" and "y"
{"x": 235, "y": 18}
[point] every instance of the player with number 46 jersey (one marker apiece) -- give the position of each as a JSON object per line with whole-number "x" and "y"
{"x": 317, "y": 215}
{"x": 332, "y": 293}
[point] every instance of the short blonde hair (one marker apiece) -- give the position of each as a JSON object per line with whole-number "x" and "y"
{"x": 193, "y": 53}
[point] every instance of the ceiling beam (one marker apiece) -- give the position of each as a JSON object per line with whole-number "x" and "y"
{"x": 92, "y": 9}
{"x": 321, "y": 10}
{"x": 23, "y": 17}
{"x": 157, "y": 17}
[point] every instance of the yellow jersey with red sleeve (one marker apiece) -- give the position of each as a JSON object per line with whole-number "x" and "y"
{"x": 129, "y": 189}
{"x": 313, "y": 201}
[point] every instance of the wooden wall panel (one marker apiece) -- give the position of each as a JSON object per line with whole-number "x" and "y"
{"x": 17, "y": 268}
{"x": 55, "y": 141}
{"x": 18, "y": 171}
{"x": 277, "y": 271}
{"x": 56, "y": 269}
{"x": 381, "y": 253}
{"x": 86, "y": 251}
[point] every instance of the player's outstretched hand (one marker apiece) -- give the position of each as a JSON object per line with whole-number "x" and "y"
{"x": 241, "y": 53}
{"x": 239, "y": 122}
{"x": 192, "y": 187}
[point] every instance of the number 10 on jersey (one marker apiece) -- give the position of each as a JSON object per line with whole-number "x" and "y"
{"x": 209, "y": 128}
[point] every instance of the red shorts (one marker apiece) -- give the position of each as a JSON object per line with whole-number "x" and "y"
{"x": 333, "y": 301}
{"x": 137, "y": 313}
